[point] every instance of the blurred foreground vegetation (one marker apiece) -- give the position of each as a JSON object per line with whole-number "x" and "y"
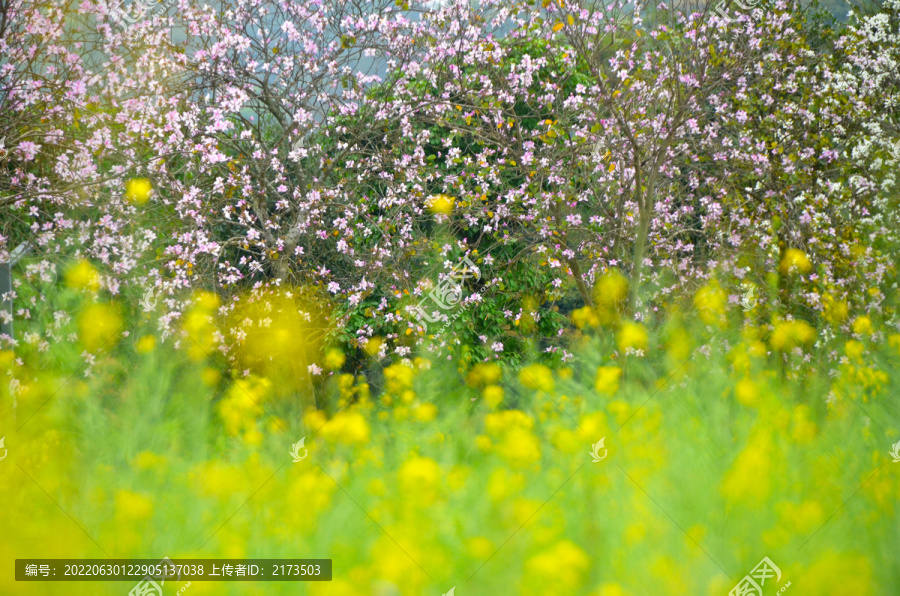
{"x": 727, "y": 441}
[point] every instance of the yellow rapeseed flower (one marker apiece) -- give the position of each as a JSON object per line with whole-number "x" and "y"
{"x": 893, "y": 341}
{"x": 99, "y": 325}
{"x": 632, "y": 335}
{"x": 854, "y": 349}
{"x": 83, "y": 276}
{"x": 208, "y": 301}
{"x": 608, "y": 379}
{"x": 498, "y": 423}
{"x": 804, "y": 429}
{"x": 863, "y": 326}
{"x": 348, "y": 427}
{"x": 502, "y": 484}
{"x": 210, "y": 376}
{"x": 145, "y": 344}
{"x": 137, "y": 190}
{"x": 426, "y": 412}
{"x": 747, "y": 392}
{"x": 710, "y": 301}
{"x": 537, "y": 376}
{"x": 839, "y": 573}
{"x": 750, "y": 478}
{"x": 373, "y": 345}
{"x": 484, "y": 373}
{"x": 441, "y": 204}
{"x": 609, "y": 294}
{"x": 334, "y": 359}
{"x": 519, "y": 447}
{"x": 419, "y": 473}
{"x": 147, "y": 460}
{"x": 561, "y": 569}
{"x": 794, "y": 261}
{"x": 834, "y": 311}
{"x": 493, "y": 395}
{"x": 480, "y": 547}
{"x": 132, "y": 506}
{"x": 585, "y": 317}
{"x": 791, "y": 334}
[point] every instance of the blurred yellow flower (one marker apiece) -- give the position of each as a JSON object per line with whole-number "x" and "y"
{"x": 804, "y": 429}
{"x": 585, "y": 317}
{"x": 607, "y": 379}
{"x": 373, "y": 345}
{"x": 99, "y": 325}
{"x": 537, "y": 376}
{"x": 83, "y": 276}
{"x": 137, "y": 190}
{"x": 419, "y": 474}
{"x": 750, "y": 478}
{"x": 147, "y": 460}
{"x": 499, "y": 422}
{"x": 334, "y": 359}
{"x": 790, "y": 334}
{"x": 480, "y": 547}
{"x": 794, "y": 261}
{"x": 441, "y": 204}
{"x": 484, "y": 373}
{"x": 275, "y": 336}
{"x": 493, "y": 395}
{"x": 376, "y": 487}
{"x": 145, "y": 344}
{"x": 835, "y": 311}
{"x": 863, "y": 325}
{"x": 347, "y": 427}
{"x": 132, "y": 506}
{"x": 502, "y": 484}
{"x": 398, "y": 378}
{"x": 611, "y": 289}
{"x": 314, "y": 419}
{"x": 208, "y": 301}
{"x": 561, "y": 569}
{"x": 854, "y": 349}
{"x": 710, "y": 301}
{"x": 609, "y": 294}
{"x": 800, "y": 518}
{"x": 210, "y": 376}
{"x": 519, "y": 447}
{"x": 747, "y": 392}
{"x": 632, "y": 335}
{"x": 839, "y": 574}
{"x": 426, "y": 412}
{"x": 893, "y": 341}
{"x": 678, "y": 346}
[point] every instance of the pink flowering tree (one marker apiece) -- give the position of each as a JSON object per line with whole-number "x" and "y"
{"x": 360, "y": 149}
